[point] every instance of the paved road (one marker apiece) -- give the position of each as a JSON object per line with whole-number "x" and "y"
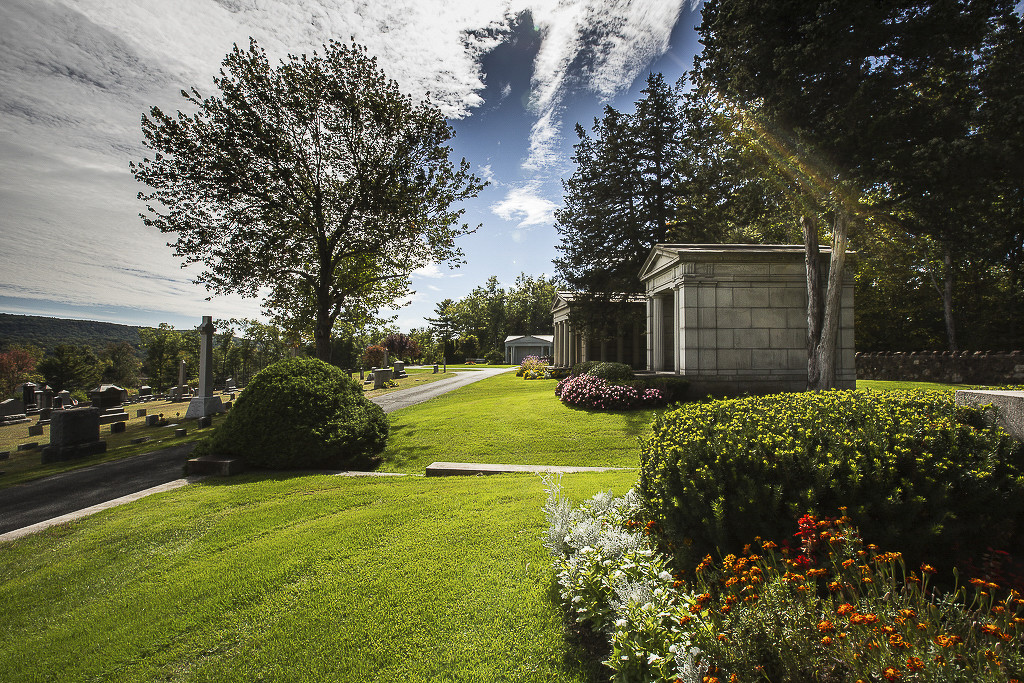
{"x": 60, "y": 494}
{"x": 397, "y": 400}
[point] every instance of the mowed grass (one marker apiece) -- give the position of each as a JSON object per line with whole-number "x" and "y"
{"x": 301, "y": 578}
{"x": 509, "y": 420}
{"x": 897, "y": 385}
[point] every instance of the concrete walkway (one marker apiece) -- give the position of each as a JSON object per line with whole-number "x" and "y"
{"x": 36, "y": 505}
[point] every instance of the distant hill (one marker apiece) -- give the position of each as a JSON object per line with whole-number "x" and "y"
{"x": 48, "y": 332}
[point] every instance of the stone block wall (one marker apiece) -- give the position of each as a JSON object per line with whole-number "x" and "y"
{"x": 965, "y": 367}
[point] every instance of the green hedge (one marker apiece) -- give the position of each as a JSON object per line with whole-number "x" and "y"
{"x": 674, "y": 389}
{"x": 301, "y": 413}
{"x": 916, "y": 472}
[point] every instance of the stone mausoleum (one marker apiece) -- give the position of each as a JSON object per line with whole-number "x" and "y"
{"x": 519, "y": 346}
{"x": 731, "y": 318}
{"x": 573, "y": 345}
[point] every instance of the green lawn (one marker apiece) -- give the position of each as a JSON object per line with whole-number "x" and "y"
{"x": 892, "y": 385}
{"x": 297, "y": 578}
{"x": 509, "y": 420}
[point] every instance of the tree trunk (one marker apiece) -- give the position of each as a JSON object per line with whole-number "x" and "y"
{"x": 823, "y": 326}
{"x": 809, "y": 224}
{"x": 323, "y": 326}
{"x": 947, "y": 299}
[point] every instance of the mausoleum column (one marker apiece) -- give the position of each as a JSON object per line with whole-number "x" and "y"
{"x": 658, "y": 333}
{"x": 572, "y": 345}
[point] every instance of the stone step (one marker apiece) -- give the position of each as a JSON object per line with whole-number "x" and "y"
{"x": 208, "y": 464}
{"x": 469, "y": 469}
{"x": 1009, "y": 407}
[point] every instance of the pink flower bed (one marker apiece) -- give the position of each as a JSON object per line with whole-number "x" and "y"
{"x": 587, "y": 391}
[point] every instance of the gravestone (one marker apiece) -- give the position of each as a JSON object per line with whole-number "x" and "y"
{"x": 179, "y": 392}
{"x": 12, "y": 412}
{"x": 65, "y": 399}
{"x": 146, "y": 391}
{"x": 74, "y": 433}
{"x": 152, "y": 420}
{"x": 141, "y": 412}
{"x": 229, "y": 384}
{"x": 399, "y": 368}
{"x": 204, "y": 402}
{"x": 118, "y": 427}
{"x": 35, "y": 430}
{"x": 44, "y": 398}
{"x": 435, "y": 368}
{"x": 108, "y": 396}
{"x": 380, "y": 376}
{"x": 28, "y": 395}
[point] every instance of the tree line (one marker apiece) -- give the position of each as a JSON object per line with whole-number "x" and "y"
{"x": 889, "y": 129}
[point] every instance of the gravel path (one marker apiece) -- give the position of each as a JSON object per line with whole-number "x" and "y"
{"x": 397, "y": 400}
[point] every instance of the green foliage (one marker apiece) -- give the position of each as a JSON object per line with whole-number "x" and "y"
{"x": 374, "y": 356}
{"x": 617, "y": 373}
{"x": 673, "y": 389}
{"x": 121, "y": 365}
{"x": 917, "y": 472}
{"x": 46, "y": 333}
{"x": 315, "y": 178}
{"x": 71, "y": 367}
{"x": 582, "y": 368}
{"x": 301, "y": 413}
{"x": 494, "y": 357}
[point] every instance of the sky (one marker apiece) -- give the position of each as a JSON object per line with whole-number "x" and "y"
{"x": 512, "y": 76}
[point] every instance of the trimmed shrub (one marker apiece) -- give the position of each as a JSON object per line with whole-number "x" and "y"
{"x": 300, "y": 413}
{"x": 613, "y": 372}
{"x": 582, "y": 368}
{"x": 673, "y": 389}
{"x": 915, "y": 471}
{"x": 494, "y": 357}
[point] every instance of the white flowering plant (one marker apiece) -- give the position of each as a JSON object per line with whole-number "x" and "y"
{"x": 611, "y": 579}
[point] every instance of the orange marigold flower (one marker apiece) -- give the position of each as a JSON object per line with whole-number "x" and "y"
{"x": 979, "y": 582}
{"x": 844, "y": 609}
{"x": 710, "y": 679}
{"x": 734, "y": 678}
{"x": 928, "y": 569}
{"x": 947, "y": 641}
{"x": 922, "y": 626}
{"x": 991, "y": 630}
{"x": 826, "y": 640}
{"x": 870, "y": 619}
{"x": 814, "y": 573}
{"x": 746, "y": 549}
{"x": 684, "y": 620}
{"x": 891, "y": 673}
{"x": 888, "y": 629}
{"x": 872, "y": 547}
{"x": 896, "y": 641}
{"x": 867, "y": 579}
{"x": 722, "y": 637}
{"x": 908, "y": 613}
{"x": 835, "y": 587}
{"x": 767, "y": 545}
{"x": 825, "y": 626}
{"x": 914, "y": 664}
{"x": 849, "y": 563}
{"x": 731, "y": 581}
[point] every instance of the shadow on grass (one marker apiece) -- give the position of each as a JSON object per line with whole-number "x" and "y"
{"x": 586, "y": 649}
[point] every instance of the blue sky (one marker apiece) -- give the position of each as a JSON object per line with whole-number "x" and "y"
{"x": 513, "y": 76}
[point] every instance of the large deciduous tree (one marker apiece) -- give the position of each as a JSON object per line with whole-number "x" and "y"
{"x": 843, "y": 98}
{"x": 316, "y": 179}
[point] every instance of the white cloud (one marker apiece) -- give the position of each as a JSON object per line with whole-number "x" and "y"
{"x": 596, "y": 45}
{"x": 76, "y": 75}
{"x": 487, "y": 173}
{"x": 523, "y": 203}
{"x": 431, "y": 270}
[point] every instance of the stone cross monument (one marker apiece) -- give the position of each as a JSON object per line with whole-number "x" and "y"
{"x": 180, "y": 390}
{"x": 204, "y": 402}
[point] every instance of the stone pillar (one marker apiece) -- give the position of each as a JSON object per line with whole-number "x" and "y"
{"x": 572, "y": 345}
{"x": 657, "y": 333}
{"x": 604, "y": 350}
{"x": 204, "y": 402}
{"x": 556, "y": 358}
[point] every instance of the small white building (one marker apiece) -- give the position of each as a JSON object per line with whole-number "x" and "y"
{"x": 732, "y": 318}
{"x": 519, "y": 346}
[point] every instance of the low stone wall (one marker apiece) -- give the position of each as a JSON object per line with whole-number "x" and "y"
{"x": 965, "y": 367}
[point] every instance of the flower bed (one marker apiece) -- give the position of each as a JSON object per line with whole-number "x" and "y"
{"x": 829, "y": 609}
{"x": 533, "y": 367}
{"x": 588, "y": 391}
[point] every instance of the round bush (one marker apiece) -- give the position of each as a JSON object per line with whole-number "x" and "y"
{"x": 301, "y": 413}
{"x": 613, "y": 372}
{"x": 916, "y": 472}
